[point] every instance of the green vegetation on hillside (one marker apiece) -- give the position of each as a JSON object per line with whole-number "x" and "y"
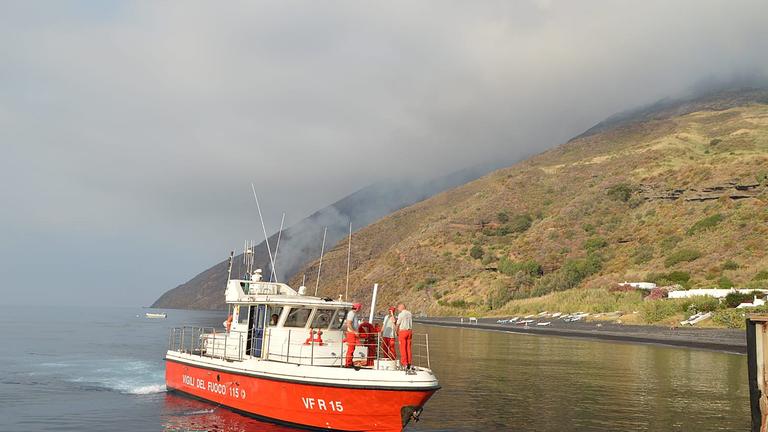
{"x": 655, "y": 201}
{"x": 672, "y": 278}
{"x": 681, "y": 255}
{"x": 621, "y": 192}
{"x": 705, "y": 224}
{"x": 529, "y": 268}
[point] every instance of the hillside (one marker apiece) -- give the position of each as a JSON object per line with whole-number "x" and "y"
{"x": 676, "y": 195}
{"x": 301, "y": 242}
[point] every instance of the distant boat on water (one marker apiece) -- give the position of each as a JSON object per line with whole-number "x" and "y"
{"x": 156, "y": 315}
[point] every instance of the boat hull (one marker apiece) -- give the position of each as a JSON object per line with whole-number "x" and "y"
{"x": 288, "y": 401}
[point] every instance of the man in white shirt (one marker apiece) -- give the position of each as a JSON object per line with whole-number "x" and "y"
{"x": 404, "y": 328}
{"x": 388, "y": 335}
{"x": 352, "y": 324}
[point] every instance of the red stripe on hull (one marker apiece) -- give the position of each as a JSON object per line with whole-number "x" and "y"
{"x": 317, "y": 406}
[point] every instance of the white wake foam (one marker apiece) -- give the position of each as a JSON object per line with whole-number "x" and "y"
{"x": 147, "y": 389}
{"x": 134, "y": 377}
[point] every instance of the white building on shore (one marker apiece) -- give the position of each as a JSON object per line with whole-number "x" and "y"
{"x": 711, "y": 292}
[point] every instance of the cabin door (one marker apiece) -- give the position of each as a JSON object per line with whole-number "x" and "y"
{"x": 256, "y": 333}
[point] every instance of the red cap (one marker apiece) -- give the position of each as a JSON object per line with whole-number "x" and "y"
{"x": 392, "y": 309}
{"x": 356, "y": 306}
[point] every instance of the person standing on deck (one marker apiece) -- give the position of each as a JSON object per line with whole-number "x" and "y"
{"x": 404, "y": 328}
{"x": 352, "y": 324}
{"x": 388, "y": 335}
{"x": 367, "y": 334}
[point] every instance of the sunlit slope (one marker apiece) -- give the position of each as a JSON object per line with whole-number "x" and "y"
{"x": 676, "y": 199}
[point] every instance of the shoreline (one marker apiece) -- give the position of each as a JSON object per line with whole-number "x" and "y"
{"x": 724, "y": 340}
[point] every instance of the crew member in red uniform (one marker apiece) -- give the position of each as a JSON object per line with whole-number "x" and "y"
{"x": 404, "y": 327}
{"x": 352, "y": 334}
{"x": 368, "y": 337}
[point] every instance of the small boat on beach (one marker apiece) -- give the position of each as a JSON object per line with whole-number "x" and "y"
{"x": 696, "y": 318}
{"x": 153, "y": 315}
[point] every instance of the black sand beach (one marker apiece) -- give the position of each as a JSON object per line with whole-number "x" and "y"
{"x": 728, "y": 340}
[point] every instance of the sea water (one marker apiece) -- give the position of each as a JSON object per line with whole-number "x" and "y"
{"x": 101, "y": 369}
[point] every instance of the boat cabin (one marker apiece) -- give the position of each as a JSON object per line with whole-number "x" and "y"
{"x": 272, "y": 321}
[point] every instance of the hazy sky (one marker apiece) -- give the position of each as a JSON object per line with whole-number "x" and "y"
{"x": 131, "y": 131}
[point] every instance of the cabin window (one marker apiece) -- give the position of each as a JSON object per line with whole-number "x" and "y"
{"x": 297, "y": 317}
{"x": 322, "y": 318}
{"x": 274, "y": 313}
{"x": 338, "y": 320}
{"x": 245, "y": 287}
{"x": 242, "y": 317}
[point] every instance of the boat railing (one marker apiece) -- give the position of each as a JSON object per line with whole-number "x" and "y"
{"x": 295, "y": 347}
{"x": 206, "y": 342}
{"x": 376, "y": 350}
{"x": 420, "y": 348}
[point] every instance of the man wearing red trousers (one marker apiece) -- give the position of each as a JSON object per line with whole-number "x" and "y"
{"x": 352, "y": 334}
{"x": 404, "y": 327}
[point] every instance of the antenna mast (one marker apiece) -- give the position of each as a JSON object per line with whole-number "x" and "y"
{"x": 229, "y": 267}
{"x": 263, "y": 228}
{"x": 320, "y": 265}
{"x": 273, "y": 275}
{"x": 349, "y": 259}
{"x": 248, "y": 258}
{"x": 245, "y": 260}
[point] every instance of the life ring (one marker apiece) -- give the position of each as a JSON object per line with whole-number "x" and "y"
{"x": 228, "y": 323}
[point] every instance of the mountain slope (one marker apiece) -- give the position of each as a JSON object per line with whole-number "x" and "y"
{"x": 716, "y": 100}
{"x": 669, "y": 197}
{"x": 301, "y": 242}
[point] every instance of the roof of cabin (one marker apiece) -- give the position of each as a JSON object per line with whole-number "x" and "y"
{"x": 291, "y": 300}
{"x": 243, "y": 291}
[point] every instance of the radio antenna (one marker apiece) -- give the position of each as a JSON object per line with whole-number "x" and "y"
{"x": 263, "y": 228}
{"x": 349, "y": 259}
{"x": 277, "y": 248}
{"x": 248, "y": 254}
{"x": 229, "y": 268}
{"x": 241, "y": 264}
{"x": 320, "y": 265}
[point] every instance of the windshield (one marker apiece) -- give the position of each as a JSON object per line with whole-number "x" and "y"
{"x": 297, "y": 317}
{"x": 338, "y": 320}
{"x": 322, "y": 318}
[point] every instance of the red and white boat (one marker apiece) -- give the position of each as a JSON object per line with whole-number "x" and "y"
{"x": 282, "y": 360}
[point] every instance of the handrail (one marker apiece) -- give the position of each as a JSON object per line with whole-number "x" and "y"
{"x": 206, "y": 341}
{"x": 231, "y": 346}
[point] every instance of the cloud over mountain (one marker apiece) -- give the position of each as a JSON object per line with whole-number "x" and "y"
{"x": 131, "y": 131}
